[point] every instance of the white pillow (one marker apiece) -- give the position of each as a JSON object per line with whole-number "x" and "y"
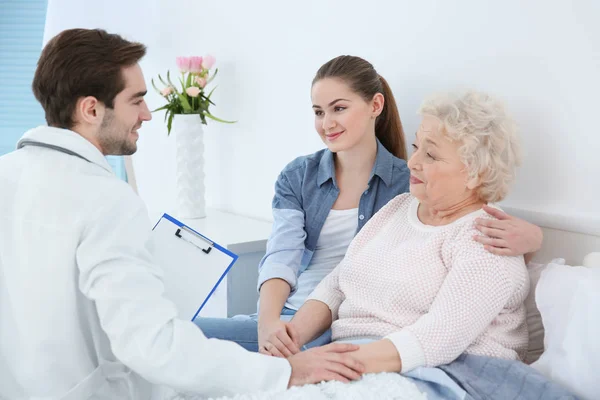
{"x": 569, "y": 302}
{"x": 534, "y": 319}
{"x": 592, "y": 260}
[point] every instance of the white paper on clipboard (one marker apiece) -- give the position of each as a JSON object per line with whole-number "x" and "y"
{"x": 193, "y": 266}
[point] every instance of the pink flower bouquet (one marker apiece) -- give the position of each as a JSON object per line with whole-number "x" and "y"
{"x": 189, "y": 97}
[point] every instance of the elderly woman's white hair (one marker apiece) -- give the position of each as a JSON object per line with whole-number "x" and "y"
{"x": 489, "y": 147}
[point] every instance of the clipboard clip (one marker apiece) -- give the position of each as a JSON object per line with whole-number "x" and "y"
{"x": 210, "y": 244}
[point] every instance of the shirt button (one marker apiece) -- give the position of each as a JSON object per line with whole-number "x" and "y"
{"x": 361, "y": 217}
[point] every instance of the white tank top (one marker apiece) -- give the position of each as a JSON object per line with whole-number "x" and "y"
{"x": 335, "y": 237}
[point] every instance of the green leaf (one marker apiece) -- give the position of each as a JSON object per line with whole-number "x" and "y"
{"x": 209, "y": 115}
{"x": 154, "y": 86}
{"x": 169, "y": 123}
{"x": 188, "y": 82}
{"x": 182, "y": 97}
{"x": 206, "y": 101}
{"x": 209, "y": 80}
{"x": 169, "y": 111}
{"x": 212, "y": 77}
{"x": 162, "y": 80}
{"x": 210, "y": 94}
{"x": 161, "y": 108}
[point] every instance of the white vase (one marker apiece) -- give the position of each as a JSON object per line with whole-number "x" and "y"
{"x": 189, "y": 140}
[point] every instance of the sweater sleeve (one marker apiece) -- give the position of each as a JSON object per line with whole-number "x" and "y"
{"x": 474, "y": 292}
{"x": 328, "y": 291}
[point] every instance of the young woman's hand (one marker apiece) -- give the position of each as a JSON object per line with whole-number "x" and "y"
{"x": 508, "y": 235}
{"x": 278, "y": 338}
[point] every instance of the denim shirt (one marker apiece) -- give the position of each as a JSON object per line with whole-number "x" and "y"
{"x": 305, "y": 192}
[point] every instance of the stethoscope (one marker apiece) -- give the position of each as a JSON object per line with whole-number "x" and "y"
{"x": 26, "y": 142}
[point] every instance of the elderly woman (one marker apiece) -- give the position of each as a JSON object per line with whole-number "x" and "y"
{"x": 413, "y": 282}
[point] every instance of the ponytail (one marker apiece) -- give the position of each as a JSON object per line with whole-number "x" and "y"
{"x": 388, "y": 127}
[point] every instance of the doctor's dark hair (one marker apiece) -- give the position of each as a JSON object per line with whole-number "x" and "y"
{"x": 78, "y": 63}
{"x": 361, "y": 77}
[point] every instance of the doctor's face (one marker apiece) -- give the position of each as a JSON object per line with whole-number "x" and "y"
{"x": 118, "y": 132}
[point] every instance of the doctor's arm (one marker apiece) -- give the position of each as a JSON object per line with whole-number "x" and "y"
{"x": 118, "y": 274}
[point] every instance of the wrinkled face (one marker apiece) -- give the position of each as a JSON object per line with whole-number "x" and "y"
{"x": 438, "y": 176}
{"x": 342, "y": 117}
{"x": 118, "y": 133}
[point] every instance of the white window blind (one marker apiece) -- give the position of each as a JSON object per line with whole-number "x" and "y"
{"x": 21, "y": 34}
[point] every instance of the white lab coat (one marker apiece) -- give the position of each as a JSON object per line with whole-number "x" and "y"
{"x": 82, "y": 312}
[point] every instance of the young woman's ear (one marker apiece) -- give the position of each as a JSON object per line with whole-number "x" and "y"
{"x": 377, "y": 104}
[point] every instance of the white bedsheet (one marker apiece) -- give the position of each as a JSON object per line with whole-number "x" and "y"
{"x": 384, "y": 386}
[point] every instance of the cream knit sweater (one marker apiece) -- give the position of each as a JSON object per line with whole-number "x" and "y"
{"x": 432, "y": 290}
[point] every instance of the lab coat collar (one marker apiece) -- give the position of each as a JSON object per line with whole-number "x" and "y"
{"x": 68, "y": 140}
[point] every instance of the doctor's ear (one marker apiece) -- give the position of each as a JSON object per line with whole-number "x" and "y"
{"x": 89, "y": 111}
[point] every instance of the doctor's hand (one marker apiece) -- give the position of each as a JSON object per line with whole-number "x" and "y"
{"x": 333, "y": 362}
{"x": 279, "y": 339}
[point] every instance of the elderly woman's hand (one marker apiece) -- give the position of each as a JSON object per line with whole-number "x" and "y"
{"x": 508, "y": 235}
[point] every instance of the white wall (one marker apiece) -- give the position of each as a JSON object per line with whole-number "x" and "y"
{"x": 134, "y": 19}
{"x": 542, "y": 57}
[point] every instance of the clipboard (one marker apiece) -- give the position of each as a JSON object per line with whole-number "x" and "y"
{"x": 194, "y": 266}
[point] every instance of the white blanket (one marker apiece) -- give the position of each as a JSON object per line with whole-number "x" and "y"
{"x": 384, "y": 386}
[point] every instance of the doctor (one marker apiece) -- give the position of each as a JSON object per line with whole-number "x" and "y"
{"x": 82, "y": 312}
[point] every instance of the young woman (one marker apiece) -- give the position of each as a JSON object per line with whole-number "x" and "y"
{"x": 323, "y": 200}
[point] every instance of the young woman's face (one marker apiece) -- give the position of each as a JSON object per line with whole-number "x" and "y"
{"x": 343, "y": 118}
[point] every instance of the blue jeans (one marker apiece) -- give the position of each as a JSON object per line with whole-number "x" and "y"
{"x": 243, "y": 329}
